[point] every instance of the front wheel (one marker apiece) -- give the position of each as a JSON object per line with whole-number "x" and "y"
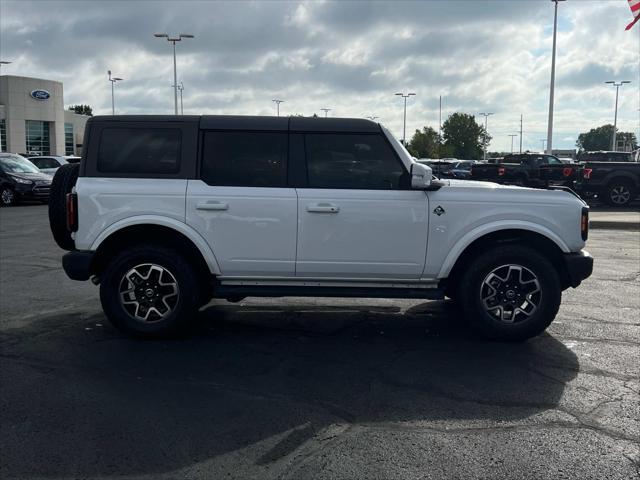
{"x": 149, "y": 292}
{"x": 7, "y": 197}
{"x": 510, "y": 293}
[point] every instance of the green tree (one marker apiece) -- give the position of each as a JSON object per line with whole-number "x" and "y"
{"x": 600, "y": 139}
{"x": 463, "y": 137}
{"x": 82, "y": 109}
{"x": 425, "y": 143}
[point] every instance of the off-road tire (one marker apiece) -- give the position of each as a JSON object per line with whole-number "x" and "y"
{"x": 469, "y": 293}
{"x": 63, "y": 181}
{"x": 113, "y": 282}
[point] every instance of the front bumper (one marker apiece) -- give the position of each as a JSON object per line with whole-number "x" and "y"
{"x": 579, "y": 266}
{"x": 77, "y": 264}
{"x": 36, "y": 191}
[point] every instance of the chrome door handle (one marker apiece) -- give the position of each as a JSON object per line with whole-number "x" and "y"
{"x": 212, "y": 206}
{"x": 323, "y": 208}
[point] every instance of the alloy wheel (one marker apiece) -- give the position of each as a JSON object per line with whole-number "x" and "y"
{"x": 620, "y": 194}
{"x": 510, "y": 293}
{"x": 7, "y": 196}
{"x": 149, "y": 292}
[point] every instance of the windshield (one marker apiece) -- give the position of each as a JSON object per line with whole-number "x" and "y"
{"x": 17, "y": 164}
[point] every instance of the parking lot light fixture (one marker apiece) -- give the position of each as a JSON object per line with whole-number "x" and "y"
{"x": 372, "y": 118}
{"x": 326, "y": 111}
{"x": 486, "y": 132}
{"x": 173, "y": 40}
{"x": 113, "y": 81}
{"x": 512, "y": 137}
{"x": 404, "y": 123}
{"x": 615, "y": 115}
{"x": 4, "y": 62}
{"x": 553, "y": 77}
{"x": 277, "y": 102}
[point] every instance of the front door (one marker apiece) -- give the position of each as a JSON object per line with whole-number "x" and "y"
{"x": 357, "y": 217}
{"x": 241, "y": 204}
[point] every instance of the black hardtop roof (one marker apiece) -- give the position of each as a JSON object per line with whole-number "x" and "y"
{"x": 254, "y": 122}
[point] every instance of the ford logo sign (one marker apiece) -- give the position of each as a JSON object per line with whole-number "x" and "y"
{"x": 40, "y": 94}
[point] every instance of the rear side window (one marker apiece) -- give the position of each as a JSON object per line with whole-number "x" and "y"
{"x": 44, "y": 162}
{"x": 352, "y": 161}
{"x": 140, "y": 150}
{"x": 245, "y": 159}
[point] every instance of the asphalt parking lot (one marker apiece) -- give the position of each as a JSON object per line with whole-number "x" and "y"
{"x": 313, "y": 388}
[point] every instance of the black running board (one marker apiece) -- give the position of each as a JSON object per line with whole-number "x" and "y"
{"x": 225, "y": 291}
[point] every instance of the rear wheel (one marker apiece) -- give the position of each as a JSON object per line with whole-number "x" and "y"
{"x": 510, "y": 293}
{"x": 620, "y": 193}
{"x": 150, "y": 291}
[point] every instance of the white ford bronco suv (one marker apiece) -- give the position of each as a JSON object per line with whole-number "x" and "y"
{"x": 167, "y": 212}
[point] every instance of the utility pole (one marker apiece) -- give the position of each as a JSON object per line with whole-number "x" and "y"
{"x": 520, "y": 133}
{"x": 486, "y": 132}
{"x": 553, "y": 78}
{"x": 175, "y": 70}
{"x": 615, "y": 117}
{"x": 277, "y": 102}
{"x": 514, "y": 135}
{"x": 404, "y": 123}
{"x": 326, "y": 111}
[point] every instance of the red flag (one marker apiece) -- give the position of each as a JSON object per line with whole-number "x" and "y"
{"x": 635, "y": 11}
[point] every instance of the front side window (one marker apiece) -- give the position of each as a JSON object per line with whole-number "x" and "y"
{"x": 245, "y": 159}
{"x": 140, "y": 150}
{"x": 352, "y": 161}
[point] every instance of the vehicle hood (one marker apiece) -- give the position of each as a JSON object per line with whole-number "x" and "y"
{"x": 494, "y": 192}
{"x": 31, "y": 176}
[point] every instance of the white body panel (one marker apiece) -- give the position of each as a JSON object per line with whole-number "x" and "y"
{"x": 252, "y": 230}
{"x": 362, "y": 233}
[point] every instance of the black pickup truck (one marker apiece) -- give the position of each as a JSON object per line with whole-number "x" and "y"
{"x": 616, "y": 183}
{"x": 527, "y": 169}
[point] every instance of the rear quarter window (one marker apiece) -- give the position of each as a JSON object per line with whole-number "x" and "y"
{"x": 139, "y": 150}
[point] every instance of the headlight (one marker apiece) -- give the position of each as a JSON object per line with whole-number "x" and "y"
{"x": 22, "y": 180}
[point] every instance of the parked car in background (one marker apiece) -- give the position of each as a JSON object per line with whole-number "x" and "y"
{"x": 21, "y": 180}
{"x": 526, "y": 169}
{"x": 461, "y": 169}
{"x": 615, "y": 183}
{"x": 607, "y": 156}
{"x": 50, "y": 163}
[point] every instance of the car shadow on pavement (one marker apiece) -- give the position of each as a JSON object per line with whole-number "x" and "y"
{"x": 81, "y": 399}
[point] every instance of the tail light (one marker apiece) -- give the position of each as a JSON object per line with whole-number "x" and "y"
{"x": 567, "y": 171}
{"x": 584, "y": 223}
{"x": 501, "y": 171}
{"x": 72, "y": 212}
{"x": 586, "y": 173}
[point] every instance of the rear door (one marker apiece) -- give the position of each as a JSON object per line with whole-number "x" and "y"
{"x": 241, "y": 203}
{"x": 358, "y": 218}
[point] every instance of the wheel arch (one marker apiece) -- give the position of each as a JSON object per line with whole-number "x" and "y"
{"x": 616, "y": 176}
{"x": 153, "y": 230}
{"x": 546, "y": 243}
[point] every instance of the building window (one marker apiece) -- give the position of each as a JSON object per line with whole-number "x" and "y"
{"x": 3, "y": 135}
{"x": 38, "y": 142}
{"x": 68, "y": 139}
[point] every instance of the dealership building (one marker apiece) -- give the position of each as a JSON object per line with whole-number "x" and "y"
{"x": 33, "y": 120}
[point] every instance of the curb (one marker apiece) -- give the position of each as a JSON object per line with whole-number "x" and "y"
{"x": 612, "y": 225}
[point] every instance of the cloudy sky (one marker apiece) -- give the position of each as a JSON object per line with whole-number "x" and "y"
{"x": 349, "y": 56}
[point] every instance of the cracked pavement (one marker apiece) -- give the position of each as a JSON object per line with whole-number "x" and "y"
{"x": 314, "y": 388}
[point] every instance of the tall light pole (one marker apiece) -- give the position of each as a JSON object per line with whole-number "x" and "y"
{"x": 512, "y": 136}
{"x": 404, "y": 123}
{"x": 520, "y": 133}
{"x": 486, "y": 131}
{"x": 175, "y": 70}
{"x": 277, "y": 102}
{"x": 553, "y": 79}
{"x": 615, "y": 117}
{"x": 113, "y": 81}
{"x": 326, "y": 111}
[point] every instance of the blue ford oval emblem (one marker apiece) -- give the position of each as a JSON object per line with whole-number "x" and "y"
{"x": 40, "y": 94}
